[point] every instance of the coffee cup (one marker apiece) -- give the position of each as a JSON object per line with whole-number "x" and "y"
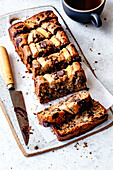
{"x": 84, "y": 13}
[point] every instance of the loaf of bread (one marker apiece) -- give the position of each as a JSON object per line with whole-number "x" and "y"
{"x": 65, "y": 109}
{"x": 60, "y": 83}
{"x": 47, "y": 52}
{"x": 82, "y": 122}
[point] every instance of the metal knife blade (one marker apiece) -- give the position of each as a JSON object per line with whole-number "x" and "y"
{"x": 16, "y": 96}
{"x": 21, "y": 114}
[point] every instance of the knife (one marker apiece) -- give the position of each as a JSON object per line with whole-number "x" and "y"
{"x": 16, "y": 96}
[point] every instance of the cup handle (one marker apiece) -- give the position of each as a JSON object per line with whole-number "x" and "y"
{"x": 95, "y": 20}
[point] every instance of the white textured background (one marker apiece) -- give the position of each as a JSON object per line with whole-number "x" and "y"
{"x": 101, "y": 144}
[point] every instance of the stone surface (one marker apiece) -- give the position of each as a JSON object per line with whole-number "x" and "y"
{"x": 97, "y": 47}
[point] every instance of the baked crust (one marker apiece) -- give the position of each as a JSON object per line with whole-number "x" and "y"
{"x": 42, "y": 17}
{"x": 82, "y": 122}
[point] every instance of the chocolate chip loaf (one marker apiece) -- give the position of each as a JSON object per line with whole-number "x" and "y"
{"x": 37, "y": 37}
{"x": 60, "y": 83}
{"x": 65, "y": 109}
{"x": 82, "y": 122}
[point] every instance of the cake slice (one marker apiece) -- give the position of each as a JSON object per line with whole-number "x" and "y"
{"x": 82, "y": 122}
{"x": 60, "y": 83}
{"x": 65, "y": 109}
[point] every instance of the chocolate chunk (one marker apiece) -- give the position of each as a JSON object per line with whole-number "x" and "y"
{"x": 55, "y": 115}
{"x": 43, "y": 44}
{"x": 18, "y": 42}
{"x": 25, "y": 29}
{"x": 20, "y": 26}
{"x": 48, "y": 13}
{"x": 42, "y": 15}
{"x": 46, "y": 109}
{"x": 38, "y": 18}
{"x": 46, "y": 124}
{"x": 29, "y": 59}
{"x": 60, "y": 73}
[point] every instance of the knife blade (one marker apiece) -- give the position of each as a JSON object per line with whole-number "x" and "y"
{"x": 16, "y": 96}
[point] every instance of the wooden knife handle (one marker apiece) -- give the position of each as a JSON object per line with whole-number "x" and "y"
{"x": 6, "y": 67}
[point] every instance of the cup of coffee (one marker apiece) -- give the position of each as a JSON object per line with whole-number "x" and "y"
{"x": 84, "y": 11}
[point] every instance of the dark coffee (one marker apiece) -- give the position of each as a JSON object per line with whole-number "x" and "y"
{"x": 83, "y": 4}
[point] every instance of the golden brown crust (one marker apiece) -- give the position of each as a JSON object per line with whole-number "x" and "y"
{"x": 82, "y": 122}
{"x": 41, "y": 17}
{"x": 17, "y": 29}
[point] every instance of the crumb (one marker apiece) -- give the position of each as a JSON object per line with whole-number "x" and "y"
{"x": 96, "y": 61}
{"x": 27, "y": 77}
{"x": 36, "y": 147}
{"x": 31, "y": 132}
{"x": 50, "y": 104}
{"x": 28, "y": 147}
{"x": 91, "y": 49}
{"x": 18, "y": 72}
{"x": 26, "y": 93}
{"x": 90, "y": 152}
{"x": 34, "y": 113}
{"x": 23, "y": 76}
{"x": 99, "y": 53}
{"x": 18, "y": 60}
{"x": 52, "y": 151}
{"x": 76, "y": 146}
{"x": 81, "y": 156}
{"x": 93, "y": 39}
{"x": 26, "y": 71}
{"x": 86, "y": 156}
{"x": 85, "y": 145}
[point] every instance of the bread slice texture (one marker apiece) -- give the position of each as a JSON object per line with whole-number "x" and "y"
{"x": 65, "y": 109}
{"x": 60, "y": 83}
{"x": 82, "y": 122}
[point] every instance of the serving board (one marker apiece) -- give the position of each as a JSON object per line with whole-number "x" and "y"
{"x": 41, "y": 139}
